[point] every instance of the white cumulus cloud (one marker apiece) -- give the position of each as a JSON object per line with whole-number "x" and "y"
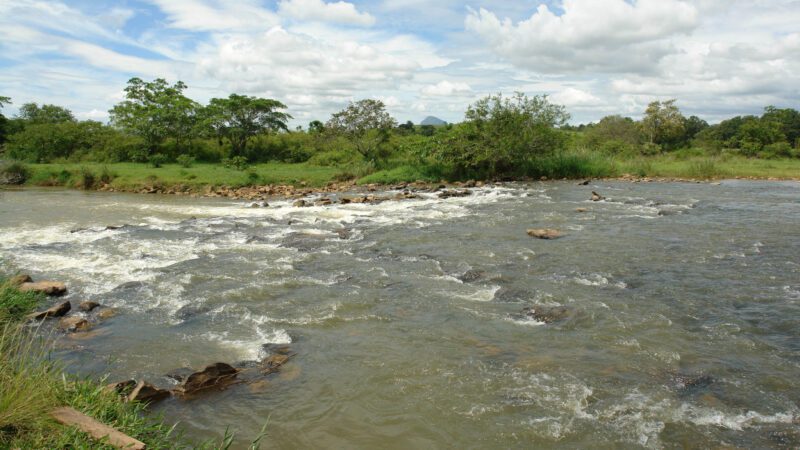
{"x": 446, "y": 88}
{"x": 318, "y": 10}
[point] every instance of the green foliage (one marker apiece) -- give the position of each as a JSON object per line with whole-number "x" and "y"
{"x": 237, "y": 162}
{"x": 503, "y": 136}
{"x": 13, "y": 172}
{"x": 239, "y": 118}
{"x": 87, "y": 178}
{"x": 157, "y": 160}
{"x": 185, "y": 161}
{"x": 154, "y": 111}
{"x": 366, "y": 124}
{"x": 34, "y": 114}
{"x": 704, "y": 168}
{"x": 335, "y": 158}
{"x": 402, "y": 174}
{"x": 14, "y": 305}
{"x": 664, "y": 124}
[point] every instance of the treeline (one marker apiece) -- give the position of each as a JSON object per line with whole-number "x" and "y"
{"x": 500, "y": 135}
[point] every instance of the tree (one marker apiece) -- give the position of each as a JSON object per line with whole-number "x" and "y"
{"x": 366, "y": 124}
{"x": 503, "y": 136}
{"x": 315, "y": 126}
{"x": 3, "y": 121}
{"x": 33, "y": 114}
{"x": 663, "y": 123}
{"x": 692, "y": 126}
{"x": 240, "y": 117}
{"x": 154, "y": 111}
{"x": 789, "y": 120}
{"x": 618, "y": 129}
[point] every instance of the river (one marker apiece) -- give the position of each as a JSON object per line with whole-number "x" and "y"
{"x": 681, "y": 302}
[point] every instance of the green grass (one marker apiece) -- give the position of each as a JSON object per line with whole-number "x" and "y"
{"x": 709, "y": 167}
{"x": 14, "y": 305}
{"x": 400, "y": 175}
{"x": 129, "y": 176}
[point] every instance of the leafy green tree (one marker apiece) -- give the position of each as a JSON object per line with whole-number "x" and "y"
{"x": 789, "y": 120}
{"x": 663, "y": 124}
{"x": 692, "y": 126}
{"x": 622, "y": 131}
{"x": 755, "y": 134}
{"x": 155, "y": 111}
{"x": 503, "y": 136}
{"x": 3, "y": 121}
{"x": 34, "y": 114}
{"x": 315, "y": 126}
{"x": 366, "y": 123}
{"x": 239, "y": 117}
{"x": 44, "y": 142}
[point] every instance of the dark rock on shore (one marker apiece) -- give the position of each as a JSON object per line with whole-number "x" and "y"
{"x": 58, "y": 310}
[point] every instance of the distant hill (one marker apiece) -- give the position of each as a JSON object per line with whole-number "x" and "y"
{"x": 435, "y": 121}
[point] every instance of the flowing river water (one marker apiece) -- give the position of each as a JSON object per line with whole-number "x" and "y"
{"x": 681, "y": 325}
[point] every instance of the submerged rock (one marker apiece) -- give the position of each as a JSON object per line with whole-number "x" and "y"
{"x": 187, "y": 312}
{"x": 74, "y": 324}
{"x": 179, "y": 375}
{"x": 597, "y": 197}
{"x": 88, "y": 306}
{"x": 216, "y": 375}
{"x": 299, "y": 203}
{"x": 686, "y": 383}
{"x": 584, "y": 183}
{"x": 58, "y": 310}
{"x": 545, "y": 314}
{"x": 581, "y": 210}
{"x": 51, "y": 288}
{"x": 106, "y": 313}
{"x": 471, "y": 276}
{"x": 455, "y": 193}
{"x": 544, "y": 233}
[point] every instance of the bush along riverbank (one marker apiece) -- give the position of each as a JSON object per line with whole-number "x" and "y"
{"x": 42, "y": 406}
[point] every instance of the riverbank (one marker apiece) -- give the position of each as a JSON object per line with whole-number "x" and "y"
{"x": 33, "y": 386}
{"x": 259, "y": 182}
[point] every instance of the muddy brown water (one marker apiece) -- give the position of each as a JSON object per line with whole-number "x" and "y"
{"x": 682, "y": 324}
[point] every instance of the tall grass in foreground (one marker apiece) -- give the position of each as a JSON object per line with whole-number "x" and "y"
{"x": 580, "y": 164}
{"x": 705, "y": 168}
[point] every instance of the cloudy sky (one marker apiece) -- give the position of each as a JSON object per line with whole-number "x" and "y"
{"x": 717, "y": 57}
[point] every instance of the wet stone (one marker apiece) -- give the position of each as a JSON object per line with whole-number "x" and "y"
{"x": 58, "y": 310}
{"x": 88, "y": 306}
{"x": 546, "y": 314}
{"x": 471, "y": 276}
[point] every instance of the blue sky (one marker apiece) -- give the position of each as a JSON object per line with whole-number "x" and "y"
{"x": 717, "y": 57}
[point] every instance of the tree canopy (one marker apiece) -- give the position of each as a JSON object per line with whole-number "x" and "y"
{"x": 240, "y": 117}
{"x": 366, "y": 122}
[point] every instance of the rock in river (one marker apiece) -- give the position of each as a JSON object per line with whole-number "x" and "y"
{"x": 216, "y": 375}
{"x": 597, "y": 197}
{"x": 20, "y": 280}
{"x": 546, "y": 314}
{"x": 544, "y": 233}
{"x": 55, "y": 311}
{"x": 52, "y": 288}
{"x": 74, "y": 323}
{"x": 146, "y": 392}
{"x": 88, "y": 306}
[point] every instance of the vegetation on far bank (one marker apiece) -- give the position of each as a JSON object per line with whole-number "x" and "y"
{"x": 159, "y": 137}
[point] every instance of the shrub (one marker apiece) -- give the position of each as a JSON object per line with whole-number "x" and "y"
{"x": 778, "y": 150}
{"x": 157, "y": 160}
{"x": 88, "y": 178}
{"x": 253, "y": 177}
{"x": 335, "y": 158}
{"x": 237, "y": 162}
{"x": 185, "y": 161}
{"x": 106, "y": 176}
{"x": 13, "y": 173}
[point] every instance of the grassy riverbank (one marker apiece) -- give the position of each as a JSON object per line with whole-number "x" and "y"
{"x": 32, "y": 384}
{"x": 132, "y": 176}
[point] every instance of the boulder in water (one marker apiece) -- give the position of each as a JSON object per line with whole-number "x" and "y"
{"x": 455, "y": 193}
{"x": 58, "y": 310}
{"x": 299, "y": 203}
{"x": 546, "y": 314}
{"x": 471, "y": 276}
{"x": 52, "y": 288}
{"x": 88, "y": 306}
{"x": 597, "y": 197}
{"x": 216, "y": 375}
{"x": 544, "y": 233}
{"x": 147, "y": 393}
{"x": 74, "y": 324}
{"x": 581, "y": 210}
{"x": 106, "y": 313}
